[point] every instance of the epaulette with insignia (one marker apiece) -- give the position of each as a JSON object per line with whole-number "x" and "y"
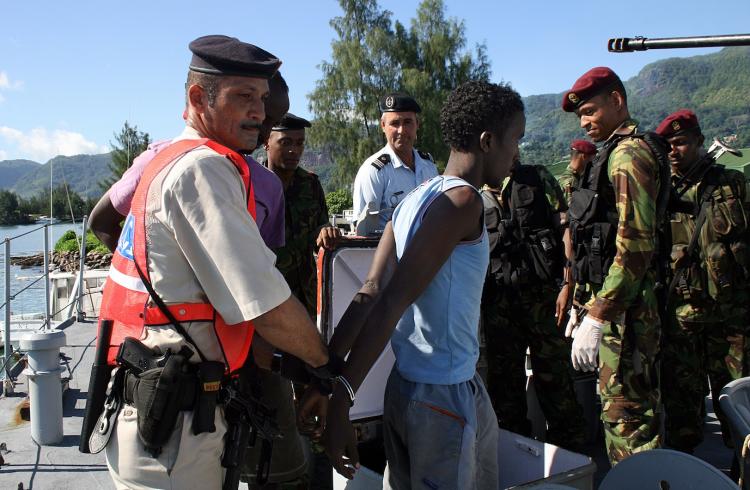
{"x": 381, "y": 161}
{"x": 425, "y": 155}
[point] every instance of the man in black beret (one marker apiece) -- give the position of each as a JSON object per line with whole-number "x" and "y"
{"x": 387, "y": 176}
{"x": 306, "y": 228}
{"x": 205, "y": 268}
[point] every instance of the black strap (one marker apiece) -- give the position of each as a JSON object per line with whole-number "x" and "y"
{"x": 166, "y": 311}
{"x": 693, "y": 239}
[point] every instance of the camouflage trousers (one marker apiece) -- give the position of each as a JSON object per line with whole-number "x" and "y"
{"x": 510, "y": 326}
{"x": 696, "y": 352}
{"x": 629, "y": 384}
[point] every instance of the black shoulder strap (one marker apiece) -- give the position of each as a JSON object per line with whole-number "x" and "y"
{"x": 381, "y": 161}
{"x": 700, "y": 220}
{"x": 425, "y": 155}
{"x": 180, "y": 329}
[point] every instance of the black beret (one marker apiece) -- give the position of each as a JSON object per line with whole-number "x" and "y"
{"x": 291, "y": 122}
{"x": 224, "y": 55}
{"x": 397, "y": 102}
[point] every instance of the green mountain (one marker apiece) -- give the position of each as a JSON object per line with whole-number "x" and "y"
{"x": 12, "y": 170}
{"x": 715, "y": 86}
{"x": 82, "y": 173}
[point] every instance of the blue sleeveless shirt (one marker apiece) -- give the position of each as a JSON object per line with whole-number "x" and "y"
{"x": 436, "y": 339}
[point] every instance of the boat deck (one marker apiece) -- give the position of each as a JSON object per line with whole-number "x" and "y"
{"x": 27, "y": 465}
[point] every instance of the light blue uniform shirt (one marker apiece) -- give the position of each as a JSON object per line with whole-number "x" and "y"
{"x": 436, "y": 339}
{"x": 381, "y": 186}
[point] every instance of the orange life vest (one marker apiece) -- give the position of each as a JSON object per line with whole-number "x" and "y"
{"x": 125, "y": 298}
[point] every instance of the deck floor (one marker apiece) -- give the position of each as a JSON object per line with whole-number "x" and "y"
{"x": 28, "y": 465}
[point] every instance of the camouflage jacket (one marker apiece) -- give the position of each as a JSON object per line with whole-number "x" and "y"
{"x": 568, "y": 180}
{"x": 634, "y": 174}
{"x": 305, "y": 214}
{"x": 721, "y": 259}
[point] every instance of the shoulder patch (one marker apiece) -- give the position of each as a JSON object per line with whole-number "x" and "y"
{"x": 425, "y": 155}
{"x": 381, "y": 161}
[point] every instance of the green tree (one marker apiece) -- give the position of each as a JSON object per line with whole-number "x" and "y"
{"x": 434, "y": 61}
{"x": 129, "y": 144}
{"x": 10, "y": 212}
{"x": 371, "y": 57}
{"x": 338, "y": 200}
{"x": 345, "y": 100}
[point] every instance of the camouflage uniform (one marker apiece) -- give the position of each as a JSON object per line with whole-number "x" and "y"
{"x": 306, "y": 214}
{"x": 626, "y": 301}
{"x": 709, "y": 312}
{"x": 514, "y": 318}
{"x": 568, "y": 181}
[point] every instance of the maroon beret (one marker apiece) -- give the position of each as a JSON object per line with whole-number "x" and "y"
{"x": 585, "y": 147}
{"x": 591, "y": 83}
{"x": 677, "y": 122}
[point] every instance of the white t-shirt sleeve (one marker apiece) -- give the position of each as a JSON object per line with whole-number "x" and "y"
{"x": 206, "y": 208}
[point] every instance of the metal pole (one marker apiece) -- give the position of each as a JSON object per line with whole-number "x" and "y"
{"x": 7, "y": 346}
{"x": 47, "y": 311}
{"x": 81, "y": 266}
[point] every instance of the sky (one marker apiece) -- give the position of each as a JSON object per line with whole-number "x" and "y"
{"x": 71, "y": 73}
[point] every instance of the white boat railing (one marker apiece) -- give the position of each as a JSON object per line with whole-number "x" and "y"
{"x": 48, "y": 315}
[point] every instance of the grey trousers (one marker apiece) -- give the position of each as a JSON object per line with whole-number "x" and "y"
{"x": 439, "y": 436}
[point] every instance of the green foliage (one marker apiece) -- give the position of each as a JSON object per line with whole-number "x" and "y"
{"x": 714, "y": 86}
{"x": 129, "y": 144}
{"x": 70, "y": 242}
{"x": 64, "y": 202}
{"x": 371, "y": 57}
{"x": 10, "y": 210}
{"x": 338, "y": 200}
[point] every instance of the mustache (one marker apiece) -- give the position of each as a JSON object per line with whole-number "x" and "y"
{"x": 250, "y": 125}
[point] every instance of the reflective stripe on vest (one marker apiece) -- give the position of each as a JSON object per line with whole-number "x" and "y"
{"x": 125, "y": 298}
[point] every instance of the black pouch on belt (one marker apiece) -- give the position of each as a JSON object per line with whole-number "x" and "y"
{"x": 210, "y": 374}
{"x": 159, "y": 396}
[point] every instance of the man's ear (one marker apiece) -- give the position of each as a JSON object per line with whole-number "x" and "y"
{"x": 197, "y": 98}
{"x": 617, "y": 99}
{"x": 485, "y": 140}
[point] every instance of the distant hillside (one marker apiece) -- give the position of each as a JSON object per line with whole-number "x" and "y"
{"x": 12, "y": 170}
{"x": 81, "y": 172}
{"x": 715, "y": 86}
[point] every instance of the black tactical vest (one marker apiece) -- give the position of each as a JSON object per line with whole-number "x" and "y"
{"x": 524, "y": 246}
{"x": 593, "y": 214}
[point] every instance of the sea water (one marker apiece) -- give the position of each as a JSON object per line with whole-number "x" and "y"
{"x": 32, "y": 300}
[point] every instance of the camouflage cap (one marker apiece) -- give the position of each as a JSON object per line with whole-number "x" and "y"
{"x": 591, "y": 83}
{"x": 677, "y": 122}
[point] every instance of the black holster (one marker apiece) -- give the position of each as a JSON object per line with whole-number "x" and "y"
{"x": 210, "y": 374}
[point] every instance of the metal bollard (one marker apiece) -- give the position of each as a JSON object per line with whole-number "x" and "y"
{"x": 45, "y": 390}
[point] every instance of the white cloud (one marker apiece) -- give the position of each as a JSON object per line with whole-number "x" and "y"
{"x": 40, "y": 145}
{"x": 3, "y": 155}
{"x": 7, "y": 84}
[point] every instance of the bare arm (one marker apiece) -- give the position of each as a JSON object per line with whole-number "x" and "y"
{"x": 453, "y": 217}
{"x": 289, "y": 328}
{"x": 105, "y": 222}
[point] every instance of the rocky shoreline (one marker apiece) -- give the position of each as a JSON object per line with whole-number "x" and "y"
{"x": 64, "y": 261}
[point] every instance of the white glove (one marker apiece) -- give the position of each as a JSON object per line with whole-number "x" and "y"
{"x": 571, "y": 327}
{"x": 586, "y": 343}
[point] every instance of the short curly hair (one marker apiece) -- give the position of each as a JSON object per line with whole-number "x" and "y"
{"x": 474, "y": 107}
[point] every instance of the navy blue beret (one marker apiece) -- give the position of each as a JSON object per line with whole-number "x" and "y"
{"x": 224, "y": 55}
{"x": 291, "y": 122}
{"x": 397, "y": 102}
